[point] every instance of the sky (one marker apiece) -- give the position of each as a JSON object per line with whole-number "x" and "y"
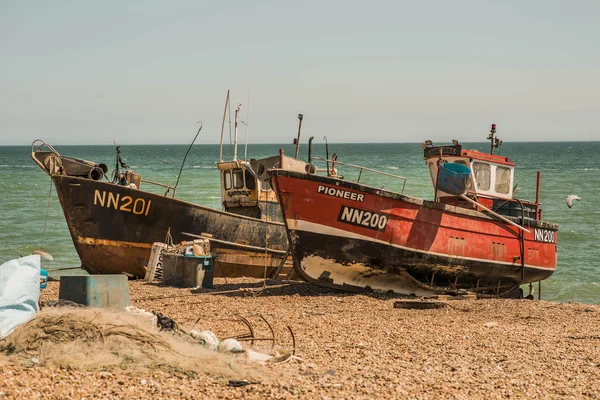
{"x": 145, "y": 72}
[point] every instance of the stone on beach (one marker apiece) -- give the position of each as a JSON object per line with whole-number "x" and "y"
{"x": 354, "y": 346}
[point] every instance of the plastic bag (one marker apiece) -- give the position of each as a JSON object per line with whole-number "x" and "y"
{"x": 19, "y": 292}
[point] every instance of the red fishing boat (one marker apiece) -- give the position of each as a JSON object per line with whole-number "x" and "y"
{"x": 475, "y": 235}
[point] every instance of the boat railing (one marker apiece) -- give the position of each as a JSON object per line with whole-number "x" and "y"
{"x": 168, "y": 186}
{"x": 38, "y": 144}
{"x": 360, "y": 168}
{"x": 42, "y": 143}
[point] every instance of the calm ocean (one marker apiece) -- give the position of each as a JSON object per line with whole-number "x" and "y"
{"x": 566, "y": 168}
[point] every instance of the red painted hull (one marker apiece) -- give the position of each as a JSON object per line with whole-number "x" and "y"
{"x": 355, "y": 237}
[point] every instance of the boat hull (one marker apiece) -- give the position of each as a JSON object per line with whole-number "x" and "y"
{"x": 353, "y": 237}
{"x": 113, "y": 228}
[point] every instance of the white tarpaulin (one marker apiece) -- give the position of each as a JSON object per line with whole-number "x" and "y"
{"x": 19, "y": 292}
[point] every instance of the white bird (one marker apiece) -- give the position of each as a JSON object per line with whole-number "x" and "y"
{"x": 569, "y": 199}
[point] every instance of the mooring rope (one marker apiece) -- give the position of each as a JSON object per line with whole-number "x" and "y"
{"x": 240, "y": 290}
{"x": 47, "y": 214}
{"x": 259, "y": 292}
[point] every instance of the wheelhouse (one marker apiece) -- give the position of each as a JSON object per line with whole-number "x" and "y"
{"x": 491, "y": 175}
{"x": 490, "y": 182}
{"x": 245, "y": 187}
{"x": 244, "y": 193}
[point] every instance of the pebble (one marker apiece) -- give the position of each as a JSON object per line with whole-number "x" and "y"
{"x": 354, "y": 346}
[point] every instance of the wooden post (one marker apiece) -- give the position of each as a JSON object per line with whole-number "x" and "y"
{"x": 281, "y": 158}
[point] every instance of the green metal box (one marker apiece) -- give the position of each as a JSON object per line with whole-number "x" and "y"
{"x": 188, "y": 271}
{"x": 95, "y": 290}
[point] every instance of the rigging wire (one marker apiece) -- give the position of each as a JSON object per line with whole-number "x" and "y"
{"x": 47, "y": 214}
{"x": 230, "y": 138}
{"x": 186, "y": 154}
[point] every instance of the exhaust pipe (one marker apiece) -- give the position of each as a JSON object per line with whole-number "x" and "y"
{"x": 96, "y": 174}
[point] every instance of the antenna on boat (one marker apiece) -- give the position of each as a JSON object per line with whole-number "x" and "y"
{"x": 326, "y": 153}
{"x": 247, "y": 123}
{"x": 223, "y": 127}
{"x": 297, "y": 141}
{"x": 186, "y": 154}
{"x": 235, "y": 134}
{"x": 495, "y": 142}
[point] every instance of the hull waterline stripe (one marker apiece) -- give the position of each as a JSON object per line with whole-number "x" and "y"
{"x": 311, "y": 227}
{"x": 113, "y": 243}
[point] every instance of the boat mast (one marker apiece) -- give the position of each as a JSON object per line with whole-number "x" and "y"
{"x": 494, "y": 141}
{"x": 235, "y": 134}
{"x": 223, "y": 127}
{"x": 300, "y": 116}
{"x": 247, "y": 123}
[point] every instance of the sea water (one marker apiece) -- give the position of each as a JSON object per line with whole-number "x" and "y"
{"x": 30, "y": 212}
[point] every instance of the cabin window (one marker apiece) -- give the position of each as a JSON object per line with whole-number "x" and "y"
{"x": 227, "y": 179}
{"x": 265, "y": 185}
{"x": 502, "y": 180}
{"x": 250, "y": 180}
{"x": 482, "y": 175}
{"x": 238, "y": 178}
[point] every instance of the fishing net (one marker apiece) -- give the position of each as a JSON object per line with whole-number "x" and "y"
{"x": 99, "y": 340}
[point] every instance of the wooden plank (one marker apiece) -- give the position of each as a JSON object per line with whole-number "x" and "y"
{"x": 154, "y": 261}
{"x": 419, "y": 305}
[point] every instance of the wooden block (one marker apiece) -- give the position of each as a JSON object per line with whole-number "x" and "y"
{"x": 418, "y": 305}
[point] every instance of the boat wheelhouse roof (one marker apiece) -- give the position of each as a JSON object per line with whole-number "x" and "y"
{"x": 490, "y": 175}
{"x": 458, "y": 151}
{"x": 477, "y": 155}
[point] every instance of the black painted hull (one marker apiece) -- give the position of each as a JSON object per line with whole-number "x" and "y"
{"x": 383, "y": 264}
{"x": 113, "y": 228}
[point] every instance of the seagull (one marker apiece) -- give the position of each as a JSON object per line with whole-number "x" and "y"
{"x": 569, "y": 199}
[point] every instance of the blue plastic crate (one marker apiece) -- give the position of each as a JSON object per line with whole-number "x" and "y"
{"x": 452, "y": 178}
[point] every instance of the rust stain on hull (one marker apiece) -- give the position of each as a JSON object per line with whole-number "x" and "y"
{"x": 115, "y": 243}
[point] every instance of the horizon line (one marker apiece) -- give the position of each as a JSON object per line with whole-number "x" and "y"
{"x": 254, "y": 144}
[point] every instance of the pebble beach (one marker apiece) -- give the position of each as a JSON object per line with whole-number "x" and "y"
{"x": 346, "y": 346}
